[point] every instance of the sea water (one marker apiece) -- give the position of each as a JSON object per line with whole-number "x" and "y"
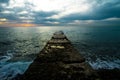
{"x": 20, "y": 45}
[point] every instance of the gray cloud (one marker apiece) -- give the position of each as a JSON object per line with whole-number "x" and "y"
{"x": 104, "y": 11}
{"x": 4, "y": 1}
{"x": 41, "y": 17}
{"x": 99, "y": 11}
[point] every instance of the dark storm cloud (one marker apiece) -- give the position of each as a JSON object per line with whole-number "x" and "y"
{"x": 10, "y": 14}
{"x": 100, "y": 11}
{"x": 44, "y": 14}
{"x": 41, "y": 17}
{"x": 1, "y": 8}
{"x": 4, "y": 1}
{"x": 107, "y": 10}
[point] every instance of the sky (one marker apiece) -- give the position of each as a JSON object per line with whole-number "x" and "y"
{"x": 30, "y": 13}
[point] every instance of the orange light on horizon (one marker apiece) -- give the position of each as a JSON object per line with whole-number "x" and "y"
{"x": 17, "y": 24}
{"x": 24, "y": 25}
{"x": 2, "y": 23}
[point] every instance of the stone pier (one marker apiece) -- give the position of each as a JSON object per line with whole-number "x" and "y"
{"x": 59, "y": 60}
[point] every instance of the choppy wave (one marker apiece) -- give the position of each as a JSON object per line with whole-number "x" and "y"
{"x": 100, "y": 64}
{"x": 9, "y": 70}
{"x": 100, "y": 46}
{"x": 98, "y": 57}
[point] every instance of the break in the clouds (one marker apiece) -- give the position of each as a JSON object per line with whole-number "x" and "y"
{"x": 59, "y": 12}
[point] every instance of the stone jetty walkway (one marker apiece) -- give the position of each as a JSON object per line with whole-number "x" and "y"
{"x": 59, "y": 60}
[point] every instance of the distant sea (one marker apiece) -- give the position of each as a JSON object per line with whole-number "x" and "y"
{"x": 20, "y": 45}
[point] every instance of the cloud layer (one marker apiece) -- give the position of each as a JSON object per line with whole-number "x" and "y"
{"x": 60, "y": 12}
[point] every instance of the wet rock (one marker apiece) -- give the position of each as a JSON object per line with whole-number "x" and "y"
{"x": 56, "y": 63}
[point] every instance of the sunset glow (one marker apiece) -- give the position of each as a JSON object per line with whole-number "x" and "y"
{"x": 25, "y": 25}
{"x": 5, "y": 24}
{"x": 59, "y": 12}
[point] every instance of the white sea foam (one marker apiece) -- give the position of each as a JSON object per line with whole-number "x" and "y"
{"x": 6, "y": 57}
{"x": 9, "y": 70}
{"x": 90, "y": 40}
{"x": 100, "y": 64}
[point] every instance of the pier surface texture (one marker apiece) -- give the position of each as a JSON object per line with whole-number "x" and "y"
{"x": 59, "y": 60}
